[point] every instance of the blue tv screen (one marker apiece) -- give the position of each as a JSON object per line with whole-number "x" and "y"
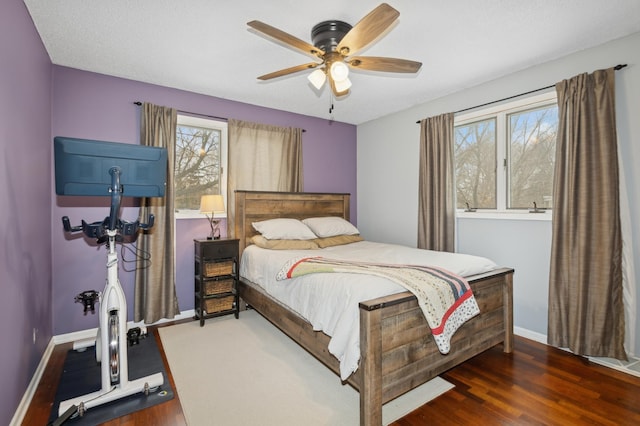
{"x": 82, "y": 168}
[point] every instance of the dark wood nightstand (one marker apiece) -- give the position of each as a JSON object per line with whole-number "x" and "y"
{"x": 216, "y": 278}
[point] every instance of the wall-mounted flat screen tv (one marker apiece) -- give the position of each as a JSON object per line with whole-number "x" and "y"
{"x": 82, "y": 167}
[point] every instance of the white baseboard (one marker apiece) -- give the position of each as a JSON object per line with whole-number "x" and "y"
{"x": 531, "y": 335}
{"x": 76, "y": 336}
{"x": 21, "y": 411}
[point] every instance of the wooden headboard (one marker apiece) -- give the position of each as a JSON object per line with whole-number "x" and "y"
{"x": 254, "y": 206}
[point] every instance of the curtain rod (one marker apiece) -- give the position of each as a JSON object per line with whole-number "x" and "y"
{"x": 192, "y": 113}
{"x": 199, "y": 114}
{"x": 617, "y": 68}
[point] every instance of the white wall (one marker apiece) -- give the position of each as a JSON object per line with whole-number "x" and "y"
{"x": 388, "y": 150}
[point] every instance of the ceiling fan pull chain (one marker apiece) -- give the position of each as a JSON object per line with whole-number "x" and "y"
{"x": 331, "y": 105}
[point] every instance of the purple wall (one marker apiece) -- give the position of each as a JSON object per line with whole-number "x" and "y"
{"x": 94, "y": 106}
{"x": 25, "y": 206}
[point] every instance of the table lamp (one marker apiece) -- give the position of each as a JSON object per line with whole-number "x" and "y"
{"x": 212, "y": 204}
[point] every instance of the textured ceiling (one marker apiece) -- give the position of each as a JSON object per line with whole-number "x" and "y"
{"x": 205, "y": 46}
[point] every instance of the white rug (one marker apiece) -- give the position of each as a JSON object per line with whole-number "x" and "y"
{"x": 247, "y": 372}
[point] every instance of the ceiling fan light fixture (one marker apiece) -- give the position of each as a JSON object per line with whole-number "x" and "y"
{"x": 342, "y": 85}
{"x": 339, "y": 71}
{"x": 317, "y": 78}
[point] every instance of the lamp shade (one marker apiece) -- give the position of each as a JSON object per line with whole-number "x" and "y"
{"x": 339, "y": 71}
{"x": 343, "y": 85}
{"x": 317, "y": 78}
{"x": 212, "y": 204}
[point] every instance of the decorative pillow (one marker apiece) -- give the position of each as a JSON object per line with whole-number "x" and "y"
{"x": 262, "y": 242}
{"x": 330, "y": 226}
{"x": 337, "y": 240}
{"x": 284, "y": 229}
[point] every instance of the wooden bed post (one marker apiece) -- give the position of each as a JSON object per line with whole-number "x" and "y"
{"x": 508, "y": 313}
{"x": 371, "y": 367}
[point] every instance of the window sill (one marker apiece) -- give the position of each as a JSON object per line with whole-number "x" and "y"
{"x": 520, "y": 215}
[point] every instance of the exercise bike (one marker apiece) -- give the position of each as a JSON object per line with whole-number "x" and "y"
{"x": 111, "y": 340}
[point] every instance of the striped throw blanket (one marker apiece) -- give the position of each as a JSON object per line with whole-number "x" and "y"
{"x": 444, "y": 297}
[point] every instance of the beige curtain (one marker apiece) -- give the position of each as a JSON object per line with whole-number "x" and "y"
{"x": 436, "y": 186}
{"x": 262, "y": 158}
{"x": 586, "y": 311}
{"x": 155, "y": 289}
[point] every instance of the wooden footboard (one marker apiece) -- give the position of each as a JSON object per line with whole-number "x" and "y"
{"x": 397, "y": 351}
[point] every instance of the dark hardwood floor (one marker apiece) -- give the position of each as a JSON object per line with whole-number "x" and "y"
{"x": 535, "y": 385}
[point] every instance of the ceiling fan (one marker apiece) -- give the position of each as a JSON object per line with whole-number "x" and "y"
{"x": 334, "y": 44}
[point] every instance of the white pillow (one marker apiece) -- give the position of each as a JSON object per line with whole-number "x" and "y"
{"x": 284, "y": 229}
{"x": 330, "y": 226}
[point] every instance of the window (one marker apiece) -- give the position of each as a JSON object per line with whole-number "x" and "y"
{"x": 504, "y": 155}
{"x": 475, "y": 157}
{"x": 200, "y": 163}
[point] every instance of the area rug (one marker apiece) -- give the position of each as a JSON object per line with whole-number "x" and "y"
{"x": 81, "y": 375}
{"x": 247, "y": 372}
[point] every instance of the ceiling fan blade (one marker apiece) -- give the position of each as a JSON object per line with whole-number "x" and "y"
{"x": 288, "y": 71}
{"x": 368, "y": 29}
{"x": 286, "y": 38}
{"x": 375, "y": 63}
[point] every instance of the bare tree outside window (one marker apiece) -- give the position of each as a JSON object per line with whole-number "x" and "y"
{"x": 531, "y": 161}
{"x": 475, "y": 158}
{"x": 197, "y": 165}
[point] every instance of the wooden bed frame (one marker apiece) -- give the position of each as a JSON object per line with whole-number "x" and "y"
{"x": 397, "y": 352}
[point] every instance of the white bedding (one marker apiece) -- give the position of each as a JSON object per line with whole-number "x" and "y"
{"x": 330, "y": 301}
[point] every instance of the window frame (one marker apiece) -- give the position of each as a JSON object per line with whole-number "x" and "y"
{"x": 209, "y": 123}
{"x": 501, "y": 112}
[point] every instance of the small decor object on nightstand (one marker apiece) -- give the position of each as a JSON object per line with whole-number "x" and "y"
{"x": 216, "y": 278}
{"x": 212, "y": 204}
